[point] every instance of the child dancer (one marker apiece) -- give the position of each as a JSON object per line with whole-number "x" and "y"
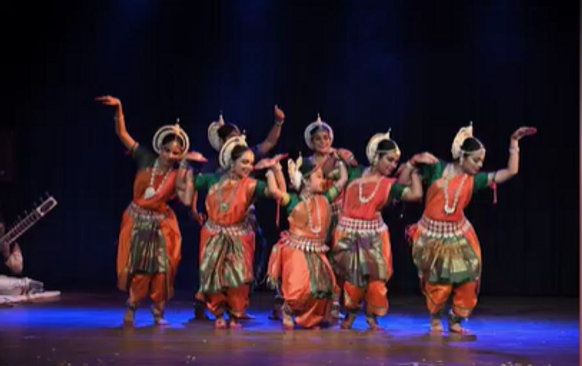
{"x": 319, "y": 138}
{"x": 298, "y": 265}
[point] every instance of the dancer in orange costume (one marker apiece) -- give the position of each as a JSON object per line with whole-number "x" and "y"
{"x": 150, "y": 241}
{"x": 362, "y": 253}
{"x": 227, "y": 240}
{"x": 319, "y": 138}
{"x": 218, "y": 133}
{"x": 298, "y": 265}
{"x": 445, "y": 247}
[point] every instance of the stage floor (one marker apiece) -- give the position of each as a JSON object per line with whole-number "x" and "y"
{"x": 85, "y": 329}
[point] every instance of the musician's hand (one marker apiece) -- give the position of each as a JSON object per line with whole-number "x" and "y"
{"x": 5, "y": 250}
{"x": 15, "y": 260}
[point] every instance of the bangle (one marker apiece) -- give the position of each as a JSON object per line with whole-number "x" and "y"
{"x": 279, "y": 123}
{"x": 269, "y": 173}
{"x": 183, "y": 164}
{"x": 514, "y": 150}
{"x": 410, "y": 166}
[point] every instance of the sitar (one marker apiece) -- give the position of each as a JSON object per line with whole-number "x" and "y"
{"x": 22, "y": 225}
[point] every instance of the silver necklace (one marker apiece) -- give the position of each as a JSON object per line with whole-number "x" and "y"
{"x": 307, "y": 199}
{"x": 361, "y": 188}
{"x": 224, "y": 206}
{"x": 448, "y": 209}
{"x": 150, "y": 192}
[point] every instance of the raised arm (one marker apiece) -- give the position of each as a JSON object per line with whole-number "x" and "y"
{"x": 343, "y": 178}
{"x": 119, "y": 118}
{"x": 276, "y": 183}
{"x": 405, "y": 171}
{"x": 512, "y": 169}
{"x": 339, "y": 185}
{"x": 185, "y": 184}
{"x": 185, "y": 189}
{"x": 414, "y": 192}
{"x": 273, "y": 136}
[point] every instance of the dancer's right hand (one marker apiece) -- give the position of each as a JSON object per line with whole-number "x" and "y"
{"x": 108, "y": 100}
{"x": 424, "y": 158}
{"x": 195, "y": 156}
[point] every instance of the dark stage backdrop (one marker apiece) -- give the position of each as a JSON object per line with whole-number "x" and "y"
{"x": 422, "y": 68}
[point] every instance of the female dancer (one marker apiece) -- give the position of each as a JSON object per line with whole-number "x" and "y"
{"x": 362, "y": 250}
{"x": 218, "y": 133}
{"x": 298, "y": 266}
{"x": 445, "y": 249}
{"x": 319, "y": 138}
{"x": 150, "y": 239}
{"x": 227, "y": 240}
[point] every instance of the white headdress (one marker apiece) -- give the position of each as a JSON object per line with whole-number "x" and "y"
{"x": 213, "y": 137}
{"x": 319, "y": 124}
{"x": 224, "y": 157}
{"x": 295, "y": 175}
{"x": 168, "y": 130}
{"x": 372, "y": 147}
{"x": 463, "y": 134}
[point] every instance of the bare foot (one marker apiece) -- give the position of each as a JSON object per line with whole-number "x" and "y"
{"x": 161, "y": 321}
{"x": 348, "y": 321}
{"x": 456, "y": 328}
{"x": 220, "y": 323}
{"x": 129, "y": 318}
{"x": 234, "y": 324}
{"x": 246, "y": 316}
{"x": 436, "y": 327}
{"x": 373, "y": 324}
{"x": 288, "y": 322}
{"x": 335, "y": 311}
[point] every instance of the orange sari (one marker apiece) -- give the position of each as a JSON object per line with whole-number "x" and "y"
{"x": 445, "y": 248}
{"x": 227, "y": 243}
{"x": 362, "y": 252}
{"x": 298, "y": 265}
{"x": 331, "y": 174}
{"x": 149, "y": 249}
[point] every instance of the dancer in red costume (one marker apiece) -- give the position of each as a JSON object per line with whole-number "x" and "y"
{"x": 445, "y": 248}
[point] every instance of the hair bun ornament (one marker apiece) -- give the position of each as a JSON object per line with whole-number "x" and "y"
{"x": 169, "y": 130}
{"x": 463, "y": 134}
{"x": 224, "y": 156}
{"x": 317, "y": 124}
{"x": 294, "y": 174}
{"x": 372, "y": 147}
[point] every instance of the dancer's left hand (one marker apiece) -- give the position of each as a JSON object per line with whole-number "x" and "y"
{"x": 196, "y": 157}
{"x": 270, "y": 162}
{"x": 522, "y": 132}
{"x": 279, "y": 114}
{"x": 424, "y": 158}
